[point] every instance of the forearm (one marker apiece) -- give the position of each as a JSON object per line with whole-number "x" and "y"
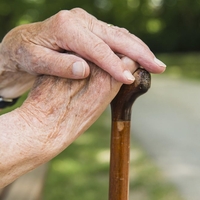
{"x": 26, "y": 143}
{"x": 55, "y": 113}
{"x": 20, "y": 150}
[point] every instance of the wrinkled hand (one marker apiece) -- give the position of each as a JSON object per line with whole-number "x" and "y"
{"x": 55, "y": 113}
{"x": 42, "y": 47}
{"x": 58, "y": 110}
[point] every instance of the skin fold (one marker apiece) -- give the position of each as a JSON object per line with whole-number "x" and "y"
{"x": 43, "y": 48}
{"x": 56, "y": 112}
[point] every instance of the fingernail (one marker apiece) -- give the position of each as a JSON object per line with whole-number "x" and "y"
{"x": 78, "y": 69}
{"x": 159, "y": 62}
{"x": 129, "y": 76}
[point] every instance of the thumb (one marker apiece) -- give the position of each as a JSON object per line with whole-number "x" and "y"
{"x": 60, "y": 64}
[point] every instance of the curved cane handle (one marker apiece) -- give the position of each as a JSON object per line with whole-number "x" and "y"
{"x": 122, "y": 103}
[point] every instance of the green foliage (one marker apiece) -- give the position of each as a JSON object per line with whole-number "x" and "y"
{"x": 182, "y": 65}
{"x": 81, "y": 172}
{"x": 18, "y": 104}
{"x": 165, "y": 25}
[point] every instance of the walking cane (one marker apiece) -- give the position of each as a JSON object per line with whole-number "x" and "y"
{"x": 120, "y": 134}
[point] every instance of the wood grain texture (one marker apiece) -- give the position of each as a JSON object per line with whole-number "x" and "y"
{"x": 120, "y": 134}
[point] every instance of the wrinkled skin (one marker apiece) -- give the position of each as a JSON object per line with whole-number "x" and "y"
{"x": 55, "y": 113}
{"x": 58, "y": 110}
{"x": 42, "y": 48}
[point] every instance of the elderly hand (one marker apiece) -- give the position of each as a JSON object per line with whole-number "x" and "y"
{"x": 55, "y": 113}
{"x": 42, "y": 48}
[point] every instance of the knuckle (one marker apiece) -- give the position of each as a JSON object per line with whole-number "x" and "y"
{"x": 71, "y": 16}
{"x": 82, "y": 14}
{"x": 78, "y": 10}
{"x": 123, "y": 30}
{"x": 119, "y": 34}
{"x": 105, "y": 56}
{"x": 62, "y": 15}
{"x": 100, "y": 48}
{"x": 64, "y": 20}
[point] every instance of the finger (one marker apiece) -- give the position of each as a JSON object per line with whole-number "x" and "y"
{"x": 131, "y": 66}
{"x": 98, "y": 52}
{"x": 124, "y": 30}
{"x": 127, "y": 44}
{"x": 77, "y": 37}
{"x": 59, "y": 64}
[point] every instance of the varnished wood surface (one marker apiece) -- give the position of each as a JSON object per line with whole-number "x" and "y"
{"x": 120, "y": 134}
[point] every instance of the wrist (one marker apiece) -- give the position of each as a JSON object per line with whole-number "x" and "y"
{"x": 24, "y": 151}
{"x": 43, "y": 125}
{"x": 13, "y": 83}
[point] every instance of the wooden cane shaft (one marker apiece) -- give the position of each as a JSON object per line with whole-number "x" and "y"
{"x": 119, "y": 166}
{"x": 120, "y": 135}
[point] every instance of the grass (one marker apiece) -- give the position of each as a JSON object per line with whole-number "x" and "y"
{"x": 81, "y": 171}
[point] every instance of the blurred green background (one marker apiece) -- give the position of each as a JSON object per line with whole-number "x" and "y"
{"x": 171, "y": 28}
{"x": 165, "y": 25}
